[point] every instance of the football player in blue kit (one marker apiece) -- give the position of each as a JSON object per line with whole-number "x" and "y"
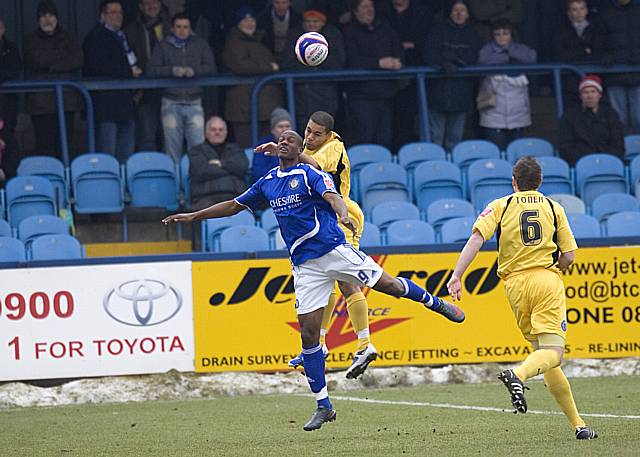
{"x": 306, "y": 202}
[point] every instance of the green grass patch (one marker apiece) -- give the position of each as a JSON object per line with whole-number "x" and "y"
{"x": 271, "y": 425}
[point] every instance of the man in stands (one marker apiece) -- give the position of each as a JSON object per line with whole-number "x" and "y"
{"x": 276, "y": 22}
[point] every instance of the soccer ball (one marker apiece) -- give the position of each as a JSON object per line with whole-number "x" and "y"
{"x": 311, "y": 49}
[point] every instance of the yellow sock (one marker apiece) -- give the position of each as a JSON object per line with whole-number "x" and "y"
{"x": 537, "y": 363}
{"x": 559, "y": 387}
{"x": 359, "y": 316}
{"x": 327, "y": 314}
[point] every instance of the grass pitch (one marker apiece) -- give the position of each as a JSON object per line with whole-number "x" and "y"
{"x": 272, "y": 425}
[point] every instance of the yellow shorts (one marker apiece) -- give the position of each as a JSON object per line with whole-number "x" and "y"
{"x": 538, "y": 302}
{"x": 356, "y": 215}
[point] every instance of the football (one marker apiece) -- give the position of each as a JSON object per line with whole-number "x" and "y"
{"x": 311, "y": 49}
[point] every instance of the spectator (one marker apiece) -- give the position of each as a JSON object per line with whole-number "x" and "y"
{"x": 182, "y": 55}
{"x": 107, "y": 55}
{"x": 622, "y": 46}
{"x": 50, "y": 52}
{"x": 276, "y": 22}
{"x": 579, "y": 40}
{"x": 280, "y": 121}
{"x": 485, "y": 13}
{"x": 453, "y": 43}
{"x": 216, "y": 167}
{"x": 371, "y": 44}
{"x": 592, "y": 127}
{"x": 314, "y": 96}
{"x": 10, "y": 67}
{"x": 505, "y": 117}
{"x": 244, "y": 54}
{"x": 149, "y": 27}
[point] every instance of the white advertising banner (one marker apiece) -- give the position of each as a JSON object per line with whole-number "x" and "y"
{"x": 98, "y": 320}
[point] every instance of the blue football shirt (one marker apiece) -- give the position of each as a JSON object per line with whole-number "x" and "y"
{"x": 307, "y": 222}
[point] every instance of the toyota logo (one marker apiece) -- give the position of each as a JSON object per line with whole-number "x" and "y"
{"x": 142, "y": 302}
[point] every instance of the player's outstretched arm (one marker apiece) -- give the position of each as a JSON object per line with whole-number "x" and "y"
{"x": 340, "y": 207}
{"x": 268, "y": 149}
{"x": 306, "y": 158}
{"x": 222, "y": 209}
{"x": 469, "y": 252}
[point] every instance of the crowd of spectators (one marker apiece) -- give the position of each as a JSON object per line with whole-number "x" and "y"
{"x": 154, "y": 38}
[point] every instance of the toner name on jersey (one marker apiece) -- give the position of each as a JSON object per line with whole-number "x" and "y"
{"x": 307, "y": 222}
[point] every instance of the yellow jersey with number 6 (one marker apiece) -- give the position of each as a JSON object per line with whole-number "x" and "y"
{"x": 531, "y": 231}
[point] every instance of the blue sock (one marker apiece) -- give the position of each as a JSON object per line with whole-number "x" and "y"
{"x": 313, "y": 361}
{"x": 414, "y": 292}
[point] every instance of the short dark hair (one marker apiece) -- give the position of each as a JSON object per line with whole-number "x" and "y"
{"x": 294, "y": 134}
{"x": 501, "y": 24}
{"x": 105, "y": 3}
{"x": 178, "y": 17}
{"x": 527, "y": 173}
{"x": 324, "y": 119}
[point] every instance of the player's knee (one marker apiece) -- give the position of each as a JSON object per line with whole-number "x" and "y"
{"x": 310, "y": 335}
{"x": 347, "y": 289}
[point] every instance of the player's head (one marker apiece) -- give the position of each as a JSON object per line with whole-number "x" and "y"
{"x": 318, "y": 129}
{"x": 527, "y": 174}
{"x": 289, "y": 146}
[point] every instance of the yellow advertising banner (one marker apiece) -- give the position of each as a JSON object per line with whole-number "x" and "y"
{"x": 245, "y": 317}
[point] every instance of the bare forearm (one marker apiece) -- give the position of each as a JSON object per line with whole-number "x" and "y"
{"x": 337, "y": 204}
{"x": 306, "y": 158}
{"x": 468, "y": 253}
{"x": 222, "y": 209}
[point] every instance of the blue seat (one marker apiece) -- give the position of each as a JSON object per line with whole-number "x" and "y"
{"x": 467, "y": 152}
{"x": 152, "y": 180}
{"x": 409, "y": 232}
{"x": 444, "y": 209}
{"x": 631, "y": 147}
{"x": 51, "y": 169}
{"x": 361, "y": 155}
{"x": 249, "y": 153}
{"x": 537, "y": 147}
{"x": 387, "y": 212}
{"x": 35, "y": 226}
{"x": 605, "y": 205}
{"x": 625, "y": 223}
{"x": 489, "y": 179}
{"x": 370, "y": 236}
{"x": 457, "y": 229}
{"x": 29, "y": 196}
{"x": 212, "y": 228}
{"x": 434, "y": 180}
{"x": 244, "y": 238}
{"x": 556, "y": 176}
{"x": 5, "y": 228}
{"x": 584, "y": 226}
{"x": 412, "y": 154}
{"x": 56, "y": 247}
{"x": 97, "y": 183}
{"x": 597, "y": 174}
{"x": 185, "y": 182}
{"x": 634, "y": 176}
{"x": 382, "y": 181}
{"x": 570, "y": 203}
{"x": 269, "y": 224}
{"x": 11, "y": 250}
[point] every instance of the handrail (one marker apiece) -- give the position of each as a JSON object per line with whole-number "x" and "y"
{"x": 419, "y": 73}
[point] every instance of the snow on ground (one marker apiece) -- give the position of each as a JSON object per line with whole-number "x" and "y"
{"x": 175, "y": 385}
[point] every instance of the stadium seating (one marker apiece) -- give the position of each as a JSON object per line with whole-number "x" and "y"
{"x": 97, "y": 183}
{"x": 244, "y": 238}
{"x": 488, "y": 179}
{"x": 35, "y": 226}
{"x": 361, "y": 155}
{"x": 28, "y": 196}
{"x": 370, "y": 236}
{"x": 457, "y": 229}
{"x": 55, "y": 247}
{"x": 5, "y": 228}
{"x": 382, "y": 181}
{"x": 185, "y": 182}
{"x": 152, "y": 180}
{"x": 408, "y": 232}
{"x": 625, "y": 223}
{"x": 570, "y": 203}
{"x": 467, "y": 152}
{"x": 631, "y": 147}
{"x": 11, "y": 250}
{"x": 387, "y": 212}
{"x": 434, "y": 180}
{"x": 249, "y": 153}
{"x": 605, "y": 205}
{"x": 584, "y": 226}
{"x": 597, "y": 174}
{"x": 212, "y": 228}
{"x": 556, "y": 176}
{"x": 444, "y": 209}
{"x": 412, "y": 154}
{"x": 536, "y": 147}
{"x": 51, "y": 169}
{"x": 270, "y": 225}
{"x": 634, "y": 176}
